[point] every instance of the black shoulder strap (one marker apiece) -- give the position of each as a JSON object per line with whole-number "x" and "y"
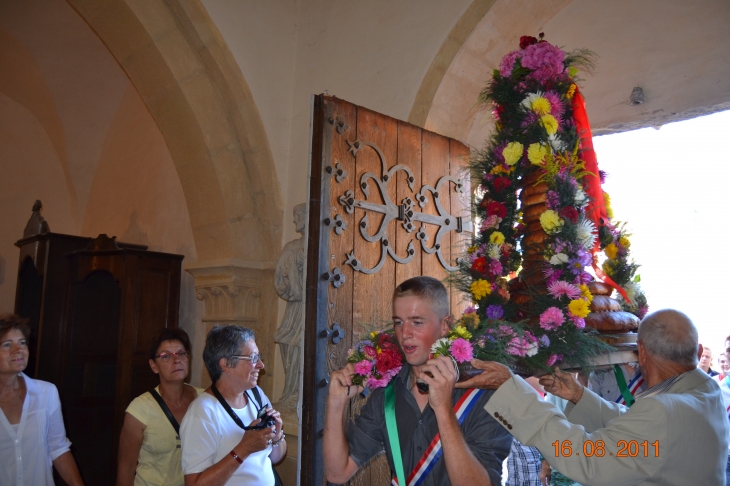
{"x": 257, "y": 396}
{"x": 167, "y": 411}
{"x": 227, "y": 407}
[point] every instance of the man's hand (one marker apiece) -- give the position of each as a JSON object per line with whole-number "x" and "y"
{"x": 494, "y": 375}
{"x": 440, "y": 375}
{"x": 563, "y": 385}
{"x": 341, "y": 387}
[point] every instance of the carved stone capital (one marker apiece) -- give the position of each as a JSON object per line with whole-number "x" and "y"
{"x": 241, "y": 293}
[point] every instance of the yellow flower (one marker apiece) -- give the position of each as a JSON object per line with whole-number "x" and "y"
{"x": 611, "y": 251}
{"x": 472, "y": 249}
{"x": 607, "y": 268}
{"x": 512, "y": 153}
{"x": 551, "y": 222}
{"x": 624, "y": 241}
{"x": 541, "y": 106}
{"x": 480, "y": 289}
{"x": 571, "y": 90}
{"x": 550, "y": 124}
{"x": 579, "y": 308}
{"x": 460, "y": 331}
{"x": 586, "y": 293}
{"x": 496, "y": 238}
{"x": 536, "y": 153}
{"x": 471, "y": 320}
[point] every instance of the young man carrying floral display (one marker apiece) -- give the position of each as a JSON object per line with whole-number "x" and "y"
{"x": 472, "y": 444}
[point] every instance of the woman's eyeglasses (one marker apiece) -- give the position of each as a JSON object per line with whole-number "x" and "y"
{"x": 253, "y": 358}
{"x": 165, "y": 357}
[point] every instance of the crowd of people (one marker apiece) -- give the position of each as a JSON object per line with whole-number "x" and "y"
{"x": 173, "y": 435}
{"x": 638, "y": 423}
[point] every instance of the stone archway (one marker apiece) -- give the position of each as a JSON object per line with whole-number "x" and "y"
{"x": 182, "y": 69}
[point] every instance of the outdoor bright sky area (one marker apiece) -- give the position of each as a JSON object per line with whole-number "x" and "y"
{"x": 672, "y": 187}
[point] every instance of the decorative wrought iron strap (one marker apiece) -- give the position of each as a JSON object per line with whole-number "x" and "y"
{"x": 404, "y": 212}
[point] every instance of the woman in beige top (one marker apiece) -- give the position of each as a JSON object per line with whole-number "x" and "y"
{"x": 149, "y": 446}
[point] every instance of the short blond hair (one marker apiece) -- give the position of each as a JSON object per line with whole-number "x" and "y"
{"x": 426, "y": 288}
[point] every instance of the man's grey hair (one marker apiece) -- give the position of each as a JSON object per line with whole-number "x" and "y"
{"x": 224, "y": 342}
{"x": 670, "y": 335}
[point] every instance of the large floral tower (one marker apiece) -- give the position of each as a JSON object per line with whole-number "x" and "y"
{"x": 545, "y": 219}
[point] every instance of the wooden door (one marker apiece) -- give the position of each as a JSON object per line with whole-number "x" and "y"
{"x": 388, "y": 201}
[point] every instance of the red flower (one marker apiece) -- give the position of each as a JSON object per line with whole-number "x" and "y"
{"x": 527, "y": 40}
{"x": 387, "y": 360}
{"x": 497, "y": 209}
{"x": 370, "y": 351}
{"x": 501, "y": 183}
{"x": 569, "y": 213}
{"x": 479, "y": 265}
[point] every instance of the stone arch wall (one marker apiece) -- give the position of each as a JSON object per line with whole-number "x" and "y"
{"x": 184, "y": 73}
{"x": 194, "y": 90}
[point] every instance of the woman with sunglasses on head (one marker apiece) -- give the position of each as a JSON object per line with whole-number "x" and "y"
{"x": 149, "y": 446}
{"x": 231, "y": 435}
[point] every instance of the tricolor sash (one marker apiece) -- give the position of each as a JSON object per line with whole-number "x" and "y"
{"x": 433, "y": 452}
{"x": 627, "y": 391}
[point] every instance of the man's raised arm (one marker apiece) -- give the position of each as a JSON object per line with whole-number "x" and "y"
{"x": 338, "y": 465}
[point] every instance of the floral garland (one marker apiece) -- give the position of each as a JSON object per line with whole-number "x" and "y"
{"x": 536, "y": 142}
{"x": 378, "y": 357}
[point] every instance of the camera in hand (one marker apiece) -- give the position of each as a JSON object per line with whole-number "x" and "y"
{"x": 266, "y": 421}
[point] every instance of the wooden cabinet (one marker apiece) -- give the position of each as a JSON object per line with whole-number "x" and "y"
{"x": 94, "y": 307}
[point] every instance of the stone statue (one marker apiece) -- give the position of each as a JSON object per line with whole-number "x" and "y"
{"x": 289, "y": 282}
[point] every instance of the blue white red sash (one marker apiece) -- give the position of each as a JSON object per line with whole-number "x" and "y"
{"x": 433, "y": 452}
{"x": 636, "y": 382}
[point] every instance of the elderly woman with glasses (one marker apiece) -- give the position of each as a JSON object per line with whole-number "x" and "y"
{"x": 231, "y": 435}
{"x": 149, "y": 446}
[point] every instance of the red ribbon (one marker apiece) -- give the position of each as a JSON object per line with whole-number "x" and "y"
{"x": 596, "y": 209}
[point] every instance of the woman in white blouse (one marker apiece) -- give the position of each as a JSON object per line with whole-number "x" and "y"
{"x": 33, "y": 436}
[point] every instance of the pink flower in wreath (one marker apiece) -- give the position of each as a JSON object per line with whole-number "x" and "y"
{"x": 363, "y": 367}
{"x": 370, "y": 351}
{"x": 554, "y": 358}
{"x": 551, "y": 319}
{"x": 544, "y": 59}
{"x": 508, "y": 63}
{"x": 462, "y": 350}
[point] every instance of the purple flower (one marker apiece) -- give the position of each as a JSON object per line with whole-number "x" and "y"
{"x": 495, "y": 268}
{"x": 579, "y": 322}
{"x": 508, "y": 63}
{"x": 552, "y": 200}
{"x": 495, "y": 312}
{"x": 544, "y": 340}
{"x": 470, "y": 310}
{"x": 551, "y": 319}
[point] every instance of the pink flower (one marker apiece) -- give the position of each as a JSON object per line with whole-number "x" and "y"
{"x": 516, "y": 347}
{"x": 553, "y": 359}
{"x": 508, "y": 63}
{"x": 556, "y": 107}
{"x": 363, "y": 367}
{"x": 370, "y": 351}
{"x": 375, "y": 383}
{"x": 563, "y": 288}
{"x": 495, "y": 268}
{"x": 579, "y": 322}
{"x": 551, "y": 319}
{"x": 544, "y": 59}
{"x": 491, "y": 222}
{"x": 462, "y": 350}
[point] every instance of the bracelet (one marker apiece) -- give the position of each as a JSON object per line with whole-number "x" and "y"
{"x": 235, "y": 456}
{"x": 276, "y": 444}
